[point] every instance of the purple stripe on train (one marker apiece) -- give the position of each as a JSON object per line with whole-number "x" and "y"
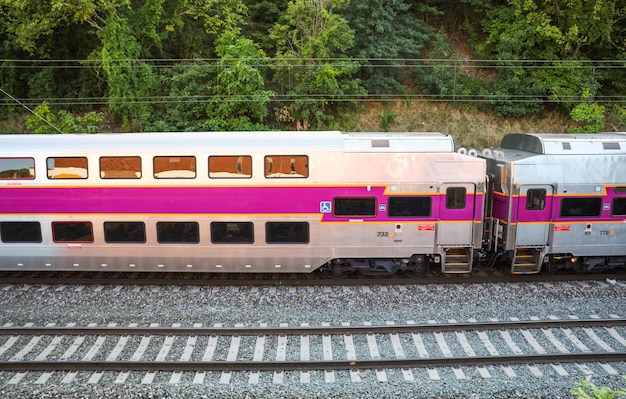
{"x": 209, "y": 200}
{"x": 552, "y": 209}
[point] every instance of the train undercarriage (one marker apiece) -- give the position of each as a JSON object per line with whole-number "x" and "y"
{"x": 417, "y": 265}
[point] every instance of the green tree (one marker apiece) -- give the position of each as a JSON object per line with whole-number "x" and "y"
{"x": 388, "y": 33}
{"x": 311, "y": 68}
{"x": 128, "y": 78}
{"x": 240, "y": 101}
{"x": 555, "y": 37}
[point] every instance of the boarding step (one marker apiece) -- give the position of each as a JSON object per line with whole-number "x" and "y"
{"x": 526, "y": 261}
{"x": 456, "y": 260}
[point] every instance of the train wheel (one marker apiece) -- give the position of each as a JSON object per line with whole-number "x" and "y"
{"x": 337, "y": 270}
{"x": 415, "y": 270}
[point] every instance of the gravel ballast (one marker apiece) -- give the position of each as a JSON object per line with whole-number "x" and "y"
{"x": 249, "y": 306}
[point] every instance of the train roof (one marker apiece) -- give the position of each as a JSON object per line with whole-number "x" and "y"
{"x": 556, "y": 144}
{"x": 276, "y": 141}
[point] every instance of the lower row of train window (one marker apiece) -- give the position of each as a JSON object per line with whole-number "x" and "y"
{"x": 167, "y": 232}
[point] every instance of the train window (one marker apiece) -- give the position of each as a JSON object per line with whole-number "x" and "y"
{"x": 72, "y": 232}
{"x": 232, "y": 233}
{"x": 287, "y": 232}
{"x": 581, "y": 207}
{"x": 174, "y": 167}
{"x": 120, "y": 167}
{"x": 121, "y": 232}
{"x": 230, "y": 167}
{"x": 619, "y": 207}
{"x": 354, "y": 207}
{"x": 286, "y": 166}
{"x": 536, "y": 199}
{"x": 456, "y": 197}
{"x": 409, "y": 206}
{"x": 17, "y": 168}
{"x": 67, "y": 167}
{"x": 620, "y": 190}
{"x": 178, "y": 232}
{"x": 11, "y": 232}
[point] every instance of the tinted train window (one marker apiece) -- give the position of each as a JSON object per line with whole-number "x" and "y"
{"x": 409, "y": 206}
{"x": 178, "y": 232}
{"x": 620, "y": 190}
{"x": 230, "y": 167}
{"x": 287, "y": 232}
{"x": 619, "y": 207}
{"x": 120, "y": 232}
{"x": 232, "y": 233}
{"x": 456, "y": 197}
{"x": 536, "y": 199}
{"x": 354, "y": 207}
{"x": 17, "y": 168}
{"x": 174, "y": 167}
{"x": 72, "y": 232}
{"x": 20, "y": 231}
{"x": 580, "y": 207}
{"x": 286, "y": 166}
{"x": 120, "y": 167}
{"x": 67, "y": 168}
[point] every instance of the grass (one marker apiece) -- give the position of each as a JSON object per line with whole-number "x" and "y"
{"x": 468, "y": 126}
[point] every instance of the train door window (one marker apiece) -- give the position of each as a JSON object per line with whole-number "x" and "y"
{"x": 581, "y": 207}
{"x": 174, "y": 167}
{"x": 120, "y": 167}
{"x": 287, "y": 232}
{"x": 67, "y": 167}
{"x": 286, "y": 166}
{"x": 178, "y": 232}
{"x": 232, "y": 233}
{"x": 221, "y": 167}
{"x": 72, "y": 232}
{"x": 619, "y": 207}
{"x": 536, "y": 199}
{"x": 456, "y": 197}
{"x": 354, "y": 207}
{"x": 409, "y": 206}
{"x": 17, "y": 168}
{"x": 14, "y": 232}
{"x": 124, "y": 232}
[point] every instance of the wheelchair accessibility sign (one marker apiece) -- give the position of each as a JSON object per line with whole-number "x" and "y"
{"x": 325, "y": 207}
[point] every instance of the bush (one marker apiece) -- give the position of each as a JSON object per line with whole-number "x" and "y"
{"x": 585, "y": 389}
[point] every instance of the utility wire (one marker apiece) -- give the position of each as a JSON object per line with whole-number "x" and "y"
{"x": 31, "y": 111}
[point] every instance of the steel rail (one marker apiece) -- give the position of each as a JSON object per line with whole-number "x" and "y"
{"x": 311, "y": 330}
{"x": 406, "y": 363}
{"x": 297, "y": 280}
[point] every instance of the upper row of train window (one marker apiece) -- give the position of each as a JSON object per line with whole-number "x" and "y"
{"x": 164, "y": 167}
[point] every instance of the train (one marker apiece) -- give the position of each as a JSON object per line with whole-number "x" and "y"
{"x": 295, "y": 202}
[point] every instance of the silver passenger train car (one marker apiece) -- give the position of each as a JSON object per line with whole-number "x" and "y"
{"x": 558, "y": 201}
{"x": 242, "y": 202}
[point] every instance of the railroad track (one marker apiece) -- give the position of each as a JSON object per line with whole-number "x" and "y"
{"x": 314, "y": 279}
{"x": 357, "y": 349}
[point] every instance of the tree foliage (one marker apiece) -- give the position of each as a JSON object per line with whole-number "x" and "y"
{"x": 246, "y": 64}
{"x": 311, "y": 68}
{"x": 47, "y": 121}
{"x": 387, "y": 33}
{"x": 556, "y": 37}
{"x": 239, "y": 101}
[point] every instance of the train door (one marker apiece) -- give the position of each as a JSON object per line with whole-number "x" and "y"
{"x": 456, "y": 214}
{"x": 534, "y": 211}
